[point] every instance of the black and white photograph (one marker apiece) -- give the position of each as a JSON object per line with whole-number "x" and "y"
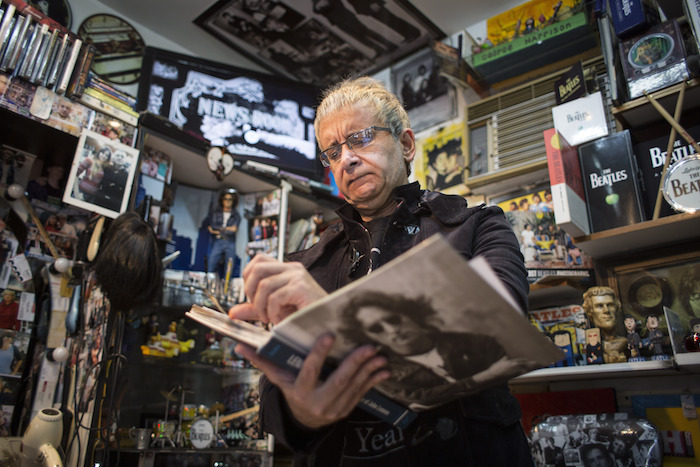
{"x": 428, "y": 97}
{"x": 320, "y": 41}
{"x": 57, "y": 10}
{"x": 101, "y": 175}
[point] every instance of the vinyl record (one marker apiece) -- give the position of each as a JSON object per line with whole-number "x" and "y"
{"x": 649, "y": 294}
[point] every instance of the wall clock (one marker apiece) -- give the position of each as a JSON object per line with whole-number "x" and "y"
{"x": 119, "y": 48}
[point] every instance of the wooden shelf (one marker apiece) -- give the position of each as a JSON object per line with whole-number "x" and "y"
{"x": 677, "y": 228}
{"x": 638, "y": 112}
{"x": 608, "y": 370}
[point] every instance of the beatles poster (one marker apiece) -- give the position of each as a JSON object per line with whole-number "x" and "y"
{"x": 440, "y": 160}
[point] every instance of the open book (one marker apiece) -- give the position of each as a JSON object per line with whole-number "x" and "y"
{"x": 447, "y": 325}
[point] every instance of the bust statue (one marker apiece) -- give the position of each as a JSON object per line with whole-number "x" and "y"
{"x": 602, "y": 309}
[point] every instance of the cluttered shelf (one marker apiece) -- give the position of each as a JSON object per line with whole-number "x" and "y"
{"x": 637, "y": 113}
{"x": 630, "y": 238}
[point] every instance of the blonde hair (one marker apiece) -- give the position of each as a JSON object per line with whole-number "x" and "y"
{"x": 368, "y": 92}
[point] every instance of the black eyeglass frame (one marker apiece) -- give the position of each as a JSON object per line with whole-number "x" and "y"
{"x": 326, "y": 161}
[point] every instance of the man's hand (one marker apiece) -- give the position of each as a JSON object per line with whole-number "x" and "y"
{"x": 275, "y": 290}
{"x": 315, "y": 403}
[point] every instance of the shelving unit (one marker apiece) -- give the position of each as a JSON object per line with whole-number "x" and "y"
{"x": 637, "y": 113}
{"x": 631, "y": 238}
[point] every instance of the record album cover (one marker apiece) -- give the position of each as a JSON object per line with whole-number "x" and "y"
{"x": 609, "y": 172}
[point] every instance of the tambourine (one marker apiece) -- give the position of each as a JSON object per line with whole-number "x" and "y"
{"x": 201, "y": 433}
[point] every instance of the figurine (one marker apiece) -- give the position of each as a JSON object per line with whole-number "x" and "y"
{"x": 655, "y": 338}
{"x": 692, "y": 341}
{"x": 594, "y": 349}
{"x": 634, "y": 340}
{"x": 602, "y": 307}
{"x": 562, "y": 339}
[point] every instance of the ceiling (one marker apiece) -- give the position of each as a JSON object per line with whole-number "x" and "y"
{"x": 175, "y": 23}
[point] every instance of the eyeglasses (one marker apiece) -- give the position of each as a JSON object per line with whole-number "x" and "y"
{"x": 359, "y": 140}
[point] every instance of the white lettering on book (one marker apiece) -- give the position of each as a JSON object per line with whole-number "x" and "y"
{"x": 608, "y": 178}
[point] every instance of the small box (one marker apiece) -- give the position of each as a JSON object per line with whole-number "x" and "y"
{"x": 653, "y": 60}
{"x": 631, "y": 16}
{"x": 609, "y": 173}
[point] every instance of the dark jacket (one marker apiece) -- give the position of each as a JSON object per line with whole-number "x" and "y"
{"x": 217, "y": 223}
{"x": 447, "y": 435}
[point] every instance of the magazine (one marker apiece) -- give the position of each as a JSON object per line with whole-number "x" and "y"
{"x": 448, "y": 327}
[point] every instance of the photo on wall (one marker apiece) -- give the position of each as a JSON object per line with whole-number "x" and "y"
{"x": 547, "y": 249}
{"x": 101, "y": 175}
{"x": 428, "y": 97}
{"x": 440, "y": 160}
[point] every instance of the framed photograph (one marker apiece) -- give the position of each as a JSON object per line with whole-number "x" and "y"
{"x": 440, "y": 162}
{"x": 428, "y": 97}
{"x": 320, "y": 41}
{"x": 646, "y": 287}
{"x": 101, "y": 175}
{"x": 547, "y": 249}
{"x": 479, "y": 149}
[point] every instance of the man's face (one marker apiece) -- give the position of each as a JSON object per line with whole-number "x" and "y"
{"x": 394, "y": 330}
{"x": 617, "y": 447}
{"x": 593, "y": 338}
{"x": 652, "y": 322}
{"x": 119, "y": 159}
{"x": 367, "y": 177}
{"x": 64, "y": 109}
{"x": 630, "y": 324}
{"x": 596, "y": 458}
{"x": 3, "y": 83}
{"x": 8, "y": 296}
{"x": 602, "y": 311}
{"x": 445, "y": 163}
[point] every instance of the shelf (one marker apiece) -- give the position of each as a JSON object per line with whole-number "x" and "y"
{"x": 630, "y": 238}
{"x": 638, "y": 112}
{"x": 608, "y": 370}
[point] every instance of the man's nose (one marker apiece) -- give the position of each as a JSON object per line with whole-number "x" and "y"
{"x": 348, "y": 157}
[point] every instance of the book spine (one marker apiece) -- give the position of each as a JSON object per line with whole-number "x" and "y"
{"x": 373, "y": 402}
{"x": 12, "y": 43}
{"x": 16, "y": 53}
{"x": 42, "y": 56}
{"x": 50, "y": 60}
{"x": 132, "y": 118}
{"x": 570, "y": 212}
{"x": 59, "y": 61}
{"x": 62, "y": 83}
{"x": 101, "y": 85}
{"x": 108, "y": 99}
{"x": 6, "y": 26}
{"x": 79, "y": 80}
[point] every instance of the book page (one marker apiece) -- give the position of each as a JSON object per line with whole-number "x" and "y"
{"x": 477, "y": 336}
{"x": 241, "y": 331}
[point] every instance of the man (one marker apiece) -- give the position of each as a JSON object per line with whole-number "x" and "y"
{"x": 367, "y": 142}
{"x": 595, "y": 455}
{"x": 602, "y": 307}
{"x": 113, "y": 183}
{"x": 9, "y": 308}
{"x": 655, "y": 338}
{"x": 426, "y": 362}
{"x": 634, "y": 341}
{"x": 223, "y": 226}
{"x": 446, "y": 165}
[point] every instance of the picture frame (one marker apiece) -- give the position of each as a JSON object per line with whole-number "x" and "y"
{"x": 440, "y": 160}
{"x": 106, "y": 194}
{"x": 646, "y": 287}
{"x": 320, "y": 42}
{"x": 58, "y": 10}
{"x": 547, "y": 249}
{"x": 429, "y": 98}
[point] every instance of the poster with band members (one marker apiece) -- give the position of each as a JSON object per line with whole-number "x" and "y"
{"x": 440, "y": 163}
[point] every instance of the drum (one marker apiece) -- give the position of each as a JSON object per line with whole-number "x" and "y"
{"x": 189, "y": 411}
{"x": 201, "y": 433}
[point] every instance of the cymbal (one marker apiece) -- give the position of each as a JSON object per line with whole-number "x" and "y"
{"x": 168, "y": 395}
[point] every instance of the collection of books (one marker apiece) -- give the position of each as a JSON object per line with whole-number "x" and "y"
{"x": 38, "y": 49}
{"x": 41, "y": 52}
{"x": 98, "y": 94}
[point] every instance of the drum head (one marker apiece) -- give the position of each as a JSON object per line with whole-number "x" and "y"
{"x": 201, "y": 433}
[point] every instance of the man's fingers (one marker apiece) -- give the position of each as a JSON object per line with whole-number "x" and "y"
{"x": 247, "y": 312}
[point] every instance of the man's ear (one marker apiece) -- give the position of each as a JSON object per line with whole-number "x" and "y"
{"x": 408, "y": 144}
